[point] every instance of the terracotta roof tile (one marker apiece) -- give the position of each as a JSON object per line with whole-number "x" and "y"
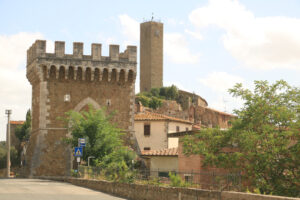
{"x": 223, "y": 113}
{"x": 150, "y": 116}
{"x": 17, "y": 122}
{"x": 163, "y": 152}
{"x": 196, "y": 127}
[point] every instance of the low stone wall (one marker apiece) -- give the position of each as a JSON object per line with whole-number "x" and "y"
{"x": 150, "y": 192}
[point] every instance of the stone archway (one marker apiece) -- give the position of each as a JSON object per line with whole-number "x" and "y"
{"x": 86, "y": 102}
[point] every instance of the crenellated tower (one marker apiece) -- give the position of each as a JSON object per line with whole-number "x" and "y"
{"x": 62, "y": 82}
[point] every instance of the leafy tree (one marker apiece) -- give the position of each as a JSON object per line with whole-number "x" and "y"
{"x": 155, "y": 103}
{"x": 23, "y": 132}
{"x": 154, "y": 98}
{"x": 163, "y": 92}
{"x": 172, "y": 92}
{"x": 103, "y": 141}
{"x": 3, "y": 155}
{"x": 155, "y": 92}
{"x": 102, "y": 137}
{"x": 263, "y": 142}
{"x": 143, "y": 99}
{"x": 119, "y": 165}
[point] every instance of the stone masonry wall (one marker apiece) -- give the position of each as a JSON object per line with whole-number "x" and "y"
{"x": 62, "y": 82}
{"x": 150, "y": 192}
{"x": 198, "y": 114}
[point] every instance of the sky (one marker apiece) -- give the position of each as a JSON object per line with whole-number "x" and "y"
{"x": 209, "y": 45}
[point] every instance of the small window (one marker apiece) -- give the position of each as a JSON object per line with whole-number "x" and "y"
{"x": 188, "y": 178}
{"x": 177, "y": 129}
{"x": 186, "y": 128}
{"x": 163, "y": 174}
{"x": 146, "y": 129}
{"x": 147, "y": 148}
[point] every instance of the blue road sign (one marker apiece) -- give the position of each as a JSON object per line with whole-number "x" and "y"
{"x": 78, "y": 152}
{"x": 81, "y": 142}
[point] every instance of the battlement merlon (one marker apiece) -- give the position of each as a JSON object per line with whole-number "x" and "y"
{"x": 38, "y": 50}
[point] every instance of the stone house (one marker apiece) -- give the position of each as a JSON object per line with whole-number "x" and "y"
{"x": 151, "y": 129}
{"x": 161, "y": 162}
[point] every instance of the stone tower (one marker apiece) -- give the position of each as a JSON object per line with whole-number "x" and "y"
{"x": 151, "y": 55}
{"x": 62, "y": 82}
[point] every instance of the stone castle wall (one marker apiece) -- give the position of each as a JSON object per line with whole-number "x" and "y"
{"x": 198, "y": 114}
{"x": 62, "y": 82}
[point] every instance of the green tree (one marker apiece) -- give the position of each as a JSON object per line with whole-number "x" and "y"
{"x": 155, "y": 92}
{"x": 143, "y": 99}
{"x": 155, "y": 103}
{"x": 3, "y": 155}
{"x": 23, "y": 132}
{"x": 264, "y": 140}
{"x": 102, "y": 137}
{"x": 172, "y": 93}
{"x": 103, "y": 141}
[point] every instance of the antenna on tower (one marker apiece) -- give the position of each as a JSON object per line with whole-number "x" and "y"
{"x": 152, "y": 18}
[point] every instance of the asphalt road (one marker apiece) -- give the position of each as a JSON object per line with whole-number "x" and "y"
{"x": 36, "y": 189}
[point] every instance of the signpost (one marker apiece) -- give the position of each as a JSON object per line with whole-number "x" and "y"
{"x": 81, "y": 142}
{"x": 78, "y": 152}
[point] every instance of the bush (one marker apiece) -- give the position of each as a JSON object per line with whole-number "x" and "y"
{"x": 176, "y": 180}
{"x": 155, "y": 103}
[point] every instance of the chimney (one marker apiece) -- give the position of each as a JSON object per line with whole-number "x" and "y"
{"x": 139, "y": 107}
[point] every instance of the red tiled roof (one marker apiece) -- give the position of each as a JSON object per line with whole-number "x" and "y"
{"x": 150, "y": 116}
{"x": 223, "y": 113}
{"x": 17, "y": 122}
{"x": 163, "y": 152}
{"x": 196, "y": 127}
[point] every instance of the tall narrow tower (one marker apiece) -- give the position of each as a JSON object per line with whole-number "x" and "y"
{"x": 151, "y": 55}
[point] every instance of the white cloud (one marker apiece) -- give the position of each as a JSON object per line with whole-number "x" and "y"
{"x": 195, "y": 35}
{"x": 176, "y": 48}
{"x": 130, "y": 27}
{"x": 175, "y": 44}
{"x": 221, "y": 81}
{"x": 15, "y": 89}
{"x": 13, "y": 48}
{"x": 174, "y": 22}
{"x": 176, "y": 83}
{"x": 259, "y": 42}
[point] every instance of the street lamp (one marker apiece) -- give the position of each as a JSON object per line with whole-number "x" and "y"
{"x": 89, "y": 160}
{"x": 8, "y": 112}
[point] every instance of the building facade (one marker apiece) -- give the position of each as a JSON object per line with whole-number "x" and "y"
{"x": 151, "y": 130}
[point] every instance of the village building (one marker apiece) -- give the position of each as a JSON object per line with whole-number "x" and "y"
{"x": 161, "y": 162}
{"x": 151, "y": 129}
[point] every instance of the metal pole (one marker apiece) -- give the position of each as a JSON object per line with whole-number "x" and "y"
{"x": 8, "y": 112}
{"x": 89, "y": 160}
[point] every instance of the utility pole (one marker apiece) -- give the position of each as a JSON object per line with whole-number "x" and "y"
{"x": 8, "y": 112}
